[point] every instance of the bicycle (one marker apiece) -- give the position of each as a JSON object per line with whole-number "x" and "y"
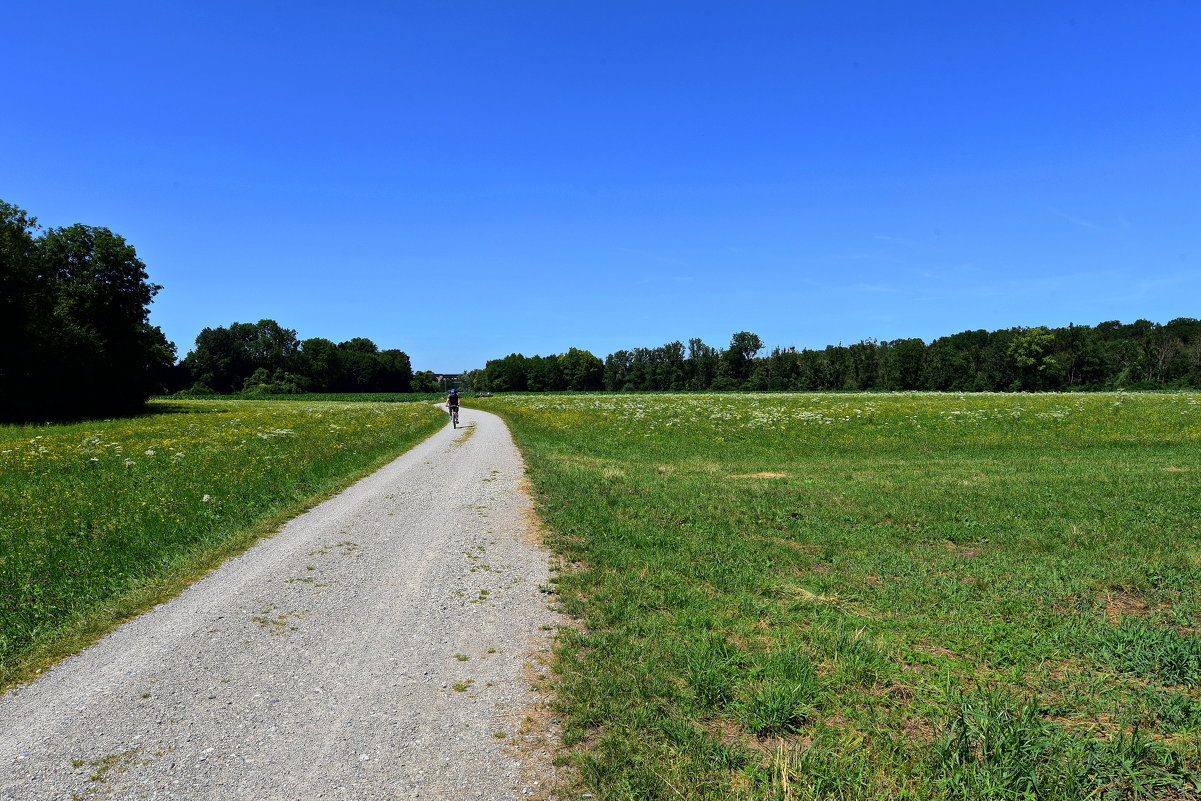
{"x": 454, "y": 416}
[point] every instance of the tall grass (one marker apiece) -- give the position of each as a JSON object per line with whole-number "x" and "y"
{"x": 97, "y": 519}
{"x": 875, "y": 596}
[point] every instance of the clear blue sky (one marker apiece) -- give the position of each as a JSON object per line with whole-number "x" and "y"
{"x": 464, "y": 180}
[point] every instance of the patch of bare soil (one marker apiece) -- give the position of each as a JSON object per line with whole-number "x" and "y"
{"x": 759, "y": 475}
{"x": 728, "y": 732}
{"x": 796, "y": 546}
{"x": 1122, "y": 603}
{"x": 539, "y": 737}
{"x": 964, "y": 551}
{"x": 936, "y": 650}
{"x": 919, "y": 729}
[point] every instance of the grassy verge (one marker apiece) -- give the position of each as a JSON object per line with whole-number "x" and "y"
{"x": 100, "y": 520}
{"x": 875, "y": 596}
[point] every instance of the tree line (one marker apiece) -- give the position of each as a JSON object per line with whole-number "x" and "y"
{"x": 75, "y": 340}
{"x": 75, "y": 336}
{"x": 266, "y": 358}
{"x": 1110, "y": 355}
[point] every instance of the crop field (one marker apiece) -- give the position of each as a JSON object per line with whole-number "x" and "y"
{"x": 100, "y": 519}
{"x": 906, "y": 596}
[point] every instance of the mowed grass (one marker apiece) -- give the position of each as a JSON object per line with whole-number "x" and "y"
{"x": 100, "y": 519}
{"x": 908, "y": 596}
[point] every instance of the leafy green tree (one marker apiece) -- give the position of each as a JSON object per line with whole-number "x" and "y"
{"x": 278, "y": 383}
{"x": 836, "y": 367}
{"x": 864, "y": 364}
{"x": 474, "y": 381}
{"x": 738, "y": 357}
{"x": 785, "y": 369}
{"x": 25, "y": 307}
{"x": 670, "y": 373}
{"x": 219, "y": 361}
{"x": 1030, "y": 350}
{"x": 509, "y": 374}
{"x": 701, "y": 366}
{"x": 582, "y": 371}
{"x": 224, "y": 358}
{"x": 543, "y": 374}
{"x": 360, "y": 366}
{"x": 904, "y": 360}
{"x": 270, "y": 345}
{"x": 425, "y": 381}
{"x": 617, "y": 369}
{"x": 77, "y": 322}
{"x": 318, "y": 361}
{"x": 396, "y": 371}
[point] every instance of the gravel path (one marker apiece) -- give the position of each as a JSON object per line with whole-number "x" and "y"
{"x": 372, "y": 649}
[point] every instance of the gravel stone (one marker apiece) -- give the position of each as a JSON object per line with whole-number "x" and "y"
{"x": 326, "y": 662}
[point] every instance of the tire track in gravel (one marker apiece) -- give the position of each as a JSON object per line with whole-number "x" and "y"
{"x": 373, "y": 648}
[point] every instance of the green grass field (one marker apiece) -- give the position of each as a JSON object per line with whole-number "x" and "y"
{"x": 98, "y": 520}
{"x": 907, "y": 596}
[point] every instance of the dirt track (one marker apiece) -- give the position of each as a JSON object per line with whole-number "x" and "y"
{"x": 372, "y": 649}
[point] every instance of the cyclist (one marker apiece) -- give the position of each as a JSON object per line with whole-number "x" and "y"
{"x": 452, "y": 406}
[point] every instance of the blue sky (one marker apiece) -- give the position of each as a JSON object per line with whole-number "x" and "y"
{"x": 465, "y": 180}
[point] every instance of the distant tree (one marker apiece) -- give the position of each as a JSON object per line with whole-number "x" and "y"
{"x": 318, "y": 360}
{"x": 278, "y": 383}
{"x": 617, "y": 370}
{"x": 670, "y": 374}
{"x": 224, "y": 358}
{"x": 784, "y": 370}
{"x": 544, "y": 374}
{"x": 425, "y": 381}
{"x": 474, "y": 381}
{"x": 360, "y": 367}
{"x": 738, "y": 357}
{"x": 701, "y": 366}
{"x": 396, "y": 371}
{"x": 904, "y": 360}
{"x": 836, "y": 367}
{"x": 949, "y": 366}
{"x": 218, "y": 362}
{"x": 581, "y": 370}
{"x": 510, "y": 374}
{"x": 864, "y": 364}
{"x": 270, "y": 345}
{"x": 1030, "y": 349}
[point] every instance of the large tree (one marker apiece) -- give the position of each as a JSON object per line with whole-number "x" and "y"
{"x": 78, "y": 341}
{"x": 25, "y": 305}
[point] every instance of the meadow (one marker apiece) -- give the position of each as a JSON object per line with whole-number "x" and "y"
{"x": 874, "y": 596}
{"x": 99, "y": 520}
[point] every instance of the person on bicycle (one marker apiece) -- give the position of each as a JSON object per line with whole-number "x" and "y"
{"x": 452, "y": 404}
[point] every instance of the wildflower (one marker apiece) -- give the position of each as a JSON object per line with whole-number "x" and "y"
{"x": 206, "y": 499}
{"x": 149, "y": 452}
